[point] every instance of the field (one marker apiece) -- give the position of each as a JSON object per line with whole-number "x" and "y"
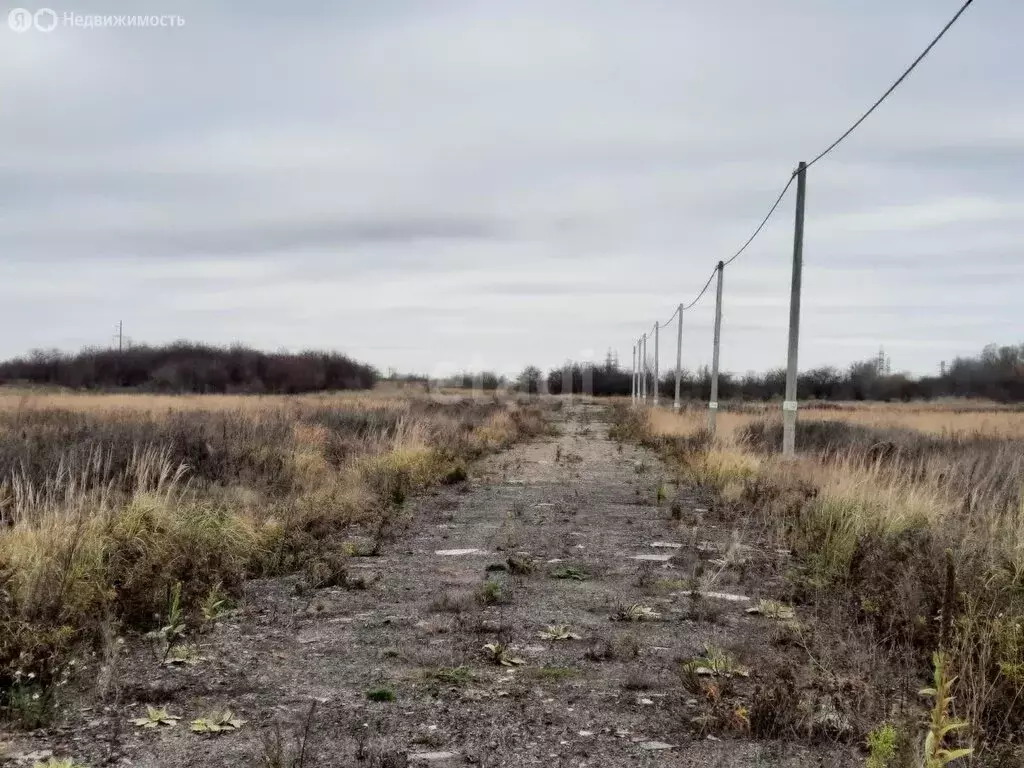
{"x": 395, "y": 578}
{"x": 950, "y": 418}
{"x": 912, "y": 514}
{"x": 126, "y": 513}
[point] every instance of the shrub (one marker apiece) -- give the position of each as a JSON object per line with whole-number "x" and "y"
{"x": 380, "y": 694}
{"x": 881, "y": 744}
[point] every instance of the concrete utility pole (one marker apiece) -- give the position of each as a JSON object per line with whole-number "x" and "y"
{"x": 789, "y": 405}
{"x": 646, "y": 371}
{"x": 639, "y": 364}
{"x": 679, "y": 359}
{"x": 120, "y": 336}
{"x": 657, "y": 326}
{"x": 643, "y": 367}
{"x": 713, "y": 403}
{"x": 638, "y": 368}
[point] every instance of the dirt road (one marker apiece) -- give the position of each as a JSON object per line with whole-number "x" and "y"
{"x": 577, "y": 506}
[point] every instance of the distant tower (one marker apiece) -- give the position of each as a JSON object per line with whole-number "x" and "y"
{"x": 942, "y": 368}
{"x": 611, "y": 360}
{"x": 883, "y": 364}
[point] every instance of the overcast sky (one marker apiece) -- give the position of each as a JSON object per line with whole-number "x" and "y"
{"x": 446, "y": 184}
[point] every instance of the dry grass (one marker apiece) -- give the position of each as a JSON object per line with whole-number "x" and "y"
{"x": 27, "y": 400}
{"x": 109, "y": 501}
{"x": 877, "y": 496}
{"x": 691, "y": 420}
{"x": 871, "y": 460}
{"x": 941, "y": 418}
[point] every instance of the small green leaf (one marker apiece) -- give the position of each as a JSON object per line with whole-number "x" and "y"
{"x": 155, "y": 717}
{"x": 218, "y": 722}
{"x": 558, "y": 632}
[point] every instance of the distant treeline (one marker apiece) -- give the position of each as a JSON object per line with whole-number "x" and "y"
{"x": 188, "y": 367}
{"x": 997, "y": 374}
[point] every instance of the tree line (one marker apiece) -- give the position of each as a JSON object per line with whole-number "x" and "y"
{"x": 188, "y": 367}
{"x": 997, "y": 374}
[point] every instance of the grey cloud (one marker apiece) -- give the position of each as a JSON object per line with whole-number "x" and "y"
{"x": 550, "y": 176}
{"x": 258, "y": 238}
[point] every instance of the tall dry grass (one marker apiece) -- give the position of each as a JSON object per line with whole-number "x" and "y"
{"x": 944, "y": 418}
{"x": 871, "y": 505}
{"x": 27, "y": 400}
{"x": 108, "y": 502}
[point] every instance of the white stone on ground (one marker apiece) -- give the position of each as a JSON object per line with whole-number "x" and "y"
{"x": 458, "y": 552}
{"x": 431, "y": 757}
{"x": 655, "y": 745}
{"x": 725, "y": 596}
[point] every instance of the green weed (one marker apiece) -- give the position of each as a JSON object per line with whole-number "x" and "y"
{"x": 941, "y": 724}
{"x": 217, "y": 723}
{"x": 881, "y": 744}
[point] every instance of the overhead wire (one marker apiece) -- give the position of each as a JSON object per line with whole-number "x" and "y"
{"x": 764, "y": 221}
{"x": 894, "y": 86}
{"x": 826, "y": 151}
{"x": 702, "y": 290}
{"x": 673, "y": 317}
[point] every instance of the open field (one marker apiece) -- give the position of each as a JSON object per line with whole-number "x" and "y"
{"x": 386, "y": 580}
{"x": 13, "y": 399}
{"x": 554, "y": 609}
{"x": 126, "y": 513}
{"x": 949, "y": 417}
{"x": 886, "y": 507}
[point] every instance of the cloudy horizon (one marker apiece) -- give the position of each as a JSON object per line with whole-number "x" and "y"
{"x": 458, "y": 185}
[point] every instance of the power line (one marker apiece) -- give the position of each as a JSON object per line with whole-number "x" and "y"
{"x": 894, "y": 86}
{"x": 764, "y": 221}
{"x": 845, "y": 134}
{"x": 702, "y": 290}
{"x": 673, "y": 317}
{"x": 819, "y": 156}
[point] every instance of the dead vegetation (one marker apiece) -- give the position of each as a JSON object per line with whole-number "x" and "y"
{"x": 882, "y": 508}
{"x": 572, "y": 644}
{"x": 135, "y": 513}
